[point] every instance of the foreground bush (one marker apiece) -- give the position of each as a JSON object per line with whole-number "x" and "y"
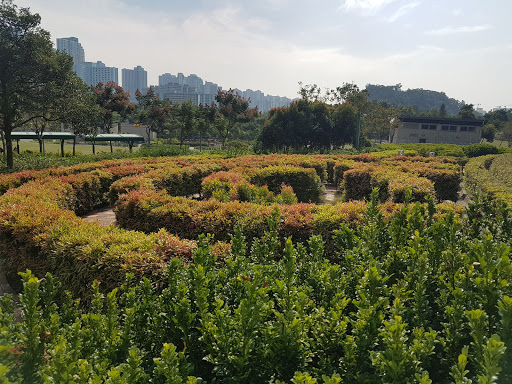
{"x": 413, "y": 299}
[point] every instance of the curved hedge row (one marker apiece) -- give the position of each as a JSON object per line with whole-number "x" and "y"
{"x": 453, "y": 150}
{"x": 412, "y": 299}
{"x": 39, "y": 231}
{"x": 149, "y": 210}
{"x": 424, "y": 181}
{"x": 39, "y": 228}
{"x": 490, "y": 175}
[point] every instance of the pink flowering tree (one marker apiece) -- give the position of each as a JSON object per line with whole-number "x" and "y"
{"x": 232, "y": 109}
{"x": 112, "y": 99}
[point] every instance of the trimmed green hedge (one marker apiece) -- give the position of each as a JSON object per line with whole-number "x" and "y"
{"x": 305, "y": 182}
{"x": 360, "y": 181}
{"x": 42, "y": 233}
{"x": 39, "y": 228}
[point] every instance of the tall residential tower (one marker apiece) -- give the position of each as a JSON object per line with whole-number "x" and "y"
{"x": 135, "y": 79}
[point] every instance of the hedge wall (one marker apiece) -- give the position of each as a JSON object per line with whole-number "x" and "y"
{"x": 39, "y": 228}
{"x": 491, "y": 176}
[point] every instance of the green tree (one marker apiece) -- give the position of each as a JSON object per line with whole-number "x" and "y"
{"x": 232, "y": 109}
{"x": 381, "y": 122}
{"x": 79, "y": 110}
{"x": 467, "y": 111}
{"x": 310, "y": 92}
{"x": 74, "y": 104}
{"x": 349, "y": 92}
{"x": 32, "y": 74}
{"x": 205, "y": 116}
{"x": 498, "y": 119}
{"x": 489, "y": 132}
{"x": 183, "y": 118}
{"x": 251, "y": 130}
{"x": 152, "y": 112}
{"x": 497, "y": 115}
{"x": 343, "y": 119}
{"x": 39, "y": 125}
{"x": 304, "y": 124}
{"x": 506, "y": 133}
{"x": 112, "y": 99}
{"x": 442, "y": 111}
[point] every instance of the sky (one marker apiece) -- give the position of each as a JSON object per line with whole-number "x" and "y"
{"x": 460, "y": 47}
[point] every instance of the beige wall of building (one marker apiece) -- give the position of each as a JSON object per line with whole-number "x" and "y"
{"x": 439, "y": 131}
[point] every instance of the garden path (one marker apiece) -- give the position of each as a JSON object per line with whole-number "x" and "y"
{"x": 104, "y": 216}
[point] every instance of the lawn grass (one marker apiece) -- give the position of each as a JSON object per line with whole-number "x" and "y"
{"x": 54, "y": 147}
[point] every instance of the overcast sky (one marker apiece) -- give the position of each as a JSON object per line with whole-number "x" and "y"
{"x": 460, "y": 47}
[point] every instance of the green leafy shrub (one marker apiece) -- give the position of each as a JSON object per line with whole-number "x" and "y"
{"x": 127, "y": 184}
{"x": 475, "y": 150}
{"x": 223, "y": 181}
{"x": 413, "y": 297}
{"x": 305, "y": 182}
{"x": 90, "y": 189}
{"x": 421, "y": 188}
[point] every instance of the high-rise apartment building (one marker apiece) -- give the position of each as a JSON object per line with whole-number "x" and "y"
{"x": 176, "y": 88}
{"x": 135, "y": 79}
{"x": 167, "y": 78}
{"x": 72, "y": 47}
{"x": 94, "y": 73}
{"x": 102, "y": 74}
{"x": 90, "y": 73}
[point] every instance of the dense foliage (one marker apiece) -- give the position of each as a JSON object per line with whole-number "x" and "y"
{"x": 422, "y": 99}
{"x": 491, "y": 177}
{"x": 40, "y": 234}
{"x": 412, "y": 299}
{"x": 452, "y": 150}
{"x": 35, "y": 81}
{"x": 356, "y": 292}
{"x": 309, "y": 124}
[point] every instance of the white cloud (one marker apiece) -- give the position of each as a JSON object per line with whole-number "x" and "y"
{"x": 450, "y": 30}
{"x": 366, "y": 5}
{"x": 276, "y": 4}
{"x": 247, "y": 47}
{"x": 403, "y": 10}
{"x": 420, "y": 51}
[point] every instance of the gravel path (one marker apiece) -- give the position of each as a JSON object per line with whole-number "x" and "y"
{"x": 104, "y": 216}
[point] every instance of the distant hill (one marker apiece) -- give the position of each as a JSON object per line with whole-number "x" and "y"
{"x": 422, "y": 98}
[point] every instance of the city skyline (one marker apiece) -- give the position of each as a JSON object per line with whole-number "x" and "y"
{"x": 175, "y": 88}
{"x": 458, "y": 47}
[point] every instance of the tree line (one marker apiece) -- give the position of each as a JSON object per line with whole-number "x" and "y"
{"x": 38, "y": 88}
{"x": 422, "y": 99}
{"x": 328, "y": 119}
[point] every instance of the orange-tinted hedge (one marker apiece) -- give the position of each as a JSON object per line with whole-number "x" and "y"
{"x": 40, "y": 230}
{"x": 149, "y": 210}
